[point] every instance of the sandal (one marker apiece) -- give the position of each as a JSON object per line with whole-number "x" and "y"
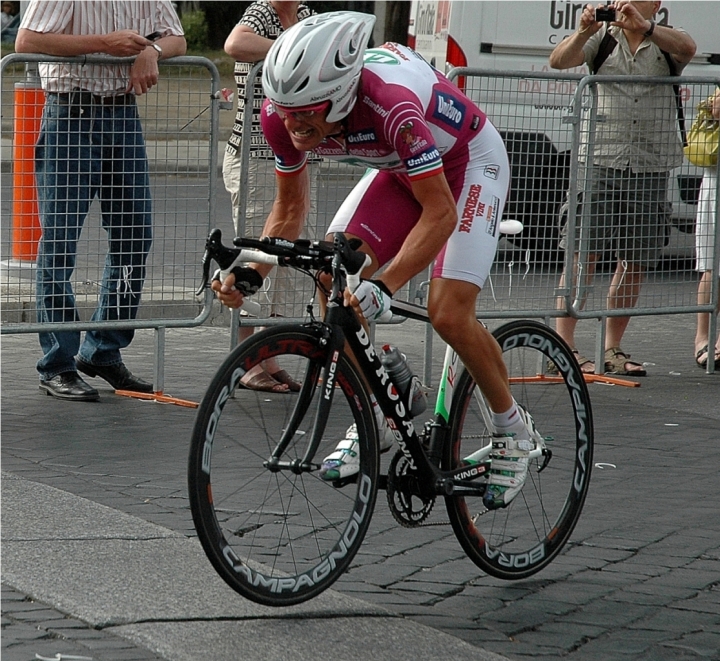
{"x": 702, "y": 364}
{"x": 281, "y": 376}
{"x": 263, "y": 382}
{"x": 587, "y": 366}
{"x": 617, "y": 362}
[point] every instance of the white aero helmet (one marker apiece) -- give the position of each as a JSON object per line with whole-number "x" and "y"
{"x": 319, "y": 59}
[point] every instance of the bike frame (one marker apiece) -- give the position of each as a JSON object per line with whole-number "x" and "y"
{"x": 341, "y": 329}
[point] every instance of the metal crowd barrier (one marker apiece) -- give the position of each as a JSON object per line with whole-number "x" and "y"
{"x": 548, "y": 121}
{"x": 180, "y": 124}
{"x": 669, "y": 286}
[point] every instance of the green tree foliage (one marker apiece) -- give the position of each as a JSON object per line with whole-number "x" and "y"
{"x": 196, "y": 30}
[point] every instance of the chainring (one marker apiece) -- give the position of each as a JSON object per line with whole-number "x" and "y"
{"x": 408, "y": 507}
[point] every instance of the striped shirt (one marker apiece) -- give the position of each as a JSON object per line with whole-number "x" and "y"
{"x": 96, "y": 17}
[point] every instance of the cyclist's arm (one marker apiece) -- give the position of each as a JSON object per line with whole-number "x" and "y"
{"x": 290, "y": 208}
{"x": 435, "y": 226}
{"x": 286, "y": 219}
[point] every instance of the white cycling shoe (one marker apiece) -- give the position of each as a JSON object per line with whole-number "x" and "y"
{"x": 345, "y": 460}
{"x": 510, "y": 458}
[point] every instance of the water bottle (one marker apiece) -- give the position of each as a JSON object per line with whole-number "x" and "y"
{"x": 405, "y": 382}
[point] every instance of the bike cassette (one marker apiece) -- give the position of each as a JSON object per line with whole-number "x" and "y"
{"x": 407, "y": 505}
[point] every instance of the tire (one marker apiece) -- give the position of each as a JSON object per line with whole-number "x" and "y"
{"x": 519, "y": 540}
{"x": 279, "y": 537}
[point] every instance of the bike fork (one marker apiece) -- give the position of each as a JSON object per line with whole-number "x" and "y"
{"x": 335, "y": 342}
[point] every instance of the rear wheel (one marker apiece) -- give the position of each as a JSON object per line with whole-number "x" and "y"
{"x": 519, "y": 540}
{"x": 273, "y": 530}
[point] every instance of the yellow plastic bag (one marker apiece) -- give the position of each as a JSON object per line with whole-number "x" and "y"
{"x": 703, "y": 138}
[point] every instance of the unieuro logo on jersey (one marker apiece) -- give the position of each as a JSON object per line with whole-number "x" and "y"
{"x": 359, "y": 137}
{"x": 424, "y": 161}
{"x": 449, "y": 111}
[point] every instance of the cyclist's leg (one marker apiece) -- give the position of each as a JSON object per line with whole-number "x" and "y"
{"x": 459, "y": 274}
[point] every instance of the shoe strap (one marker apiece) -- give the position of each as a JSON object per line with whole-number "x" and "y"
{"x": 348, "y": 444}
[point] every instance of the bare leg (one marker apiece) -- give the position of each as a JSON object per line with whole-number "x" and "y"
{"x": 565, "y": 326}
{"x": 451, "y": 307}
{"x": 623, "y": 293}
{"x": 270, "y": 366}
{"x": 702, "y": 334}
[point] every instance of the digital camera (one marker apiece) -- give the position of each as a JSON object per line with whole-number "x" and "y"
{"x": 605, "y": 14}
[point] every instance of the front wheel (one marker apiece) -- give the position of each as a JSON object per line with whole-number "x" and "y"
{"x": 519, "y": 540}
{"x": 273, "y": 530}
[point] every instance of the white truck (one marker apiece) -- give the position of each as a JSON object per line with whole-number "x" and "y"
{"x": 519, "y": 36}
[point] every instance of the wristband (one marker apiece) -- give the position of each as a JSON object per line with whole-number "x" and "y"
{"x": 651, "y": 29}
{"x": 383, "y": 286}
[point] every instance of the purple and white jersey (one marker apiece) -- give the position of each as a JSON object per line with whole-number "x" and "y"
{"x": 413, "y": 130}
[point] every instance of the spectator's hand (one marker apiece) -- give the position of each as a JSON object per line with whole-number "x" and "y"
{"x": 124, "y": 43}
{"x": 715, "y": 105}
{"x": 144, "y": 72}
{"x": 588, "y": 25}
{"x": 629, "y": 17}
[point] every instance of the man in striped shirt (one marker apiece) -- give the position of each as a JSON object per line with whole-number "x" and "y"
{"x": 91, "y": 144}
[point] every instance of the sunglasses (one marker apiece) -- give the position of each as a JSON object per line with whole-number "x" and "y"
{"x": 299, "y": 114}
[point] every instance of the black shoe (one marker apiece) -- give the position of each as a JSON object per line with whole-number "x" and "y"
{"x": 69, "y": 385}
{"x": 118, "y": 376}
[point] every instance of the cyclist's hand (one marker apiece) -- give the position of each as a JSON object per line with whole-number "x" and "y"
{"x": 373, "y": 298}
{"x": 240, "y": 282}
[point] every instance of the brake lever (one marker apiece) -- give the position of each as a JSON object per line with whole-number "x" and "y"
{"x": 215, "y": 250}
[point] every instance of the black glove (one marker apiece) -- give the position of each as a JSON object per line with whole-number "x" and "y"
{"x": 247, "y": 281}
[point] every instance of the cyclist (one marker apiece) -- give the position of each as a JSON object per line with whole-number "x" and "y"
{"x": 435, "y": 190}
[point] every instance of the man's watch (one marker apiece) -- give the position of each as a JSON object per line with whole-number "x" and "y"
{"x": 159, "y": 50}
{"x": 651, "y": 29}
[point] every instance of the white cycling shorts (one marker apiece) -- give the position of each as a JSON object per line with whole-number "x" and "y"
{"x": 381, "y": 210}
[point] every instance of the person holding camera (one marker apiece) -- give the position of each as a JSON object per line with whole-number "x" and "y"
{"x": 635, "y": 147}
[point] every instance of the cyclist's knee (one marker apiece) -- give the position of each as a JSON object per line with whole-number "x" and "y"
{"x": 450, "y": 322}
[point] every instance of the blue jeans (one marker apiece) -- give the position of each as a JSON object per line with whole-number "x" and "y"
{"x": 85, "y": 151}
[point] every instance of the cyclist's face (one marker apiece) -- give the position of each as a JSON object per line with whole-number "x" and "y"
{"x": 307, "y": 126}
